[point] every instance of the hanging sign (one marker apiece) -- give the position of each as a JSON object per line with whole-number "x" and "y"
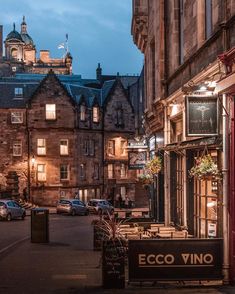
{"x": 201, "y": 115}
{"x": 136, "y": 159}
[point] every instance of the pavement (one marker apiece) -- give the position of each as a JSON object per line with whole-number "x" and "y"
{"x": 63, "y": 266}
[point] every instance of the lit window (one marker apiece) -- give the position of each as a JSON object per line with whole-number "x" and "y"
{"x": 18, "y": 92}
{"x": 111, "y": 147}
{"x": 96, "y": 171}
{"x": 41, "y": 146}
{"x": 123, "y": 171}
{"x": 17, "y": 148}
{"x": 64, "y": 172}
{"x": 50, "y": 112}
{"x": 64, "y": 147}
{"x": 41, "y": 172}
{"x": 82, "y": 112}
{"x": 17, "y": 117}
{"x": 110, "y": 171}
{"x": 82, "y": 171}
{"x": 95, "y": 114}
{"x": 123, "y": 147}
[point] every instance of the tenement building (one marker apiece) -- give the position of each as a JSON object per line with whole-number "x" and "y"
{"x": 189, "y": 90}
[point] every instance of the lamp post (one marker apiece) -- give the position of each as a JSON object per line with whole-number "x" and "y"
{"x": 31, "y": 175}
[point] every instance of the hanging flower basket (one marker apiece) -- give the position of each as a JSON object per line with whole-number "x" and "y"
{"x": 154, "y": 165}
{"x": 205, "y": 169}
{"x": 145, "y": 179}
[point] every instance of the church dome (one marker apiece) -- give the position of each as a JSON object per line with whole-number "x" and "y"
{"x": 27, "y": 39}
{"x": 14, "y": 35}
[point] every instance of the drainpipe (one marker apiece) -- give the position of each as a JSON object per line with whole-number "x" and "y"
{"x": 225, "y": 194}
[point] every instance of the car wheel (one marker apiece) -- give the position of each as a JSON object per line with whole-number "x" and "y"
{"x": 9, "y": 217}
{"x": 23, "y": 216}
{"x": 73, "y": 212}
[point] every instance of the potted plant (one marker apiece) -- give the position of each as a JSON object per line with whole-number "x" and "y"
{"x": 205, "y": 169}
{"x": 113, "y": 253}
{"x": 145, "y": 179}
{"x": 154, "y": 165}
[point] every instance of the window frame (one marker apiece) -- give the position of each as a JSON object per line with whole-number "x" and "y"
{"x": 65, "y": 172}
{"x": 82, "y": 112}
{"x": 18, "y": 93}
{"x": 42, "y": 173}
{"x": 17, "y": 115}
{"x": 50, "y": 114}
{"x": 110, "y": 170}
{"x": 41, "y": 147}
{"x": 95, "y": 114}
{"x": 112, "y": 148}
{"x": 17, "y": 148}
{"x": 66, "y": 147}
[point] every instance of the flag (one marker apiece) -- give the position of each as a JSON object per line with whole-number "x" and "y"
{"x": 61, "y": 46}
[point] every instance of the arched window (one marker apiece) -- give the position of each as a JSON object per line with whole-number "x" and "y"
{"x": 95, "y": 114}
{"x": 83, "y": 112}
{"x": 14, "y": 53}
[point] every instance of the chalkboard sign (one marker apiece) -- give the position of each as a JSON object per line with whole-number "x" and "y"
{"x": 202, "y": 115}
{"x": 113, "y": 265}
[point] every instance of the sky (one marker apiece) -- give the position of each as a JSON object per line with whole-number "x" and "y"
{"x": 98, "y": 31}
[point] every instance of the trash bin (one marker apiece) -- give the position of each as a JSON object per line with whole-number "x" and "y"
{"x": 39, "y": 225}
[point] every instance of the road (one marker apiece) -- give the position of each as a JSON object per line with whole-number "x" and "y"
{"x": 67, "y": 265}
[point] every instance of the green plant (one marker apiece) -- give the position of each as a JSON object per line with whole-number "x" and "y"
{"x": 145, "y": 178}
{"x": 204, "y": 167}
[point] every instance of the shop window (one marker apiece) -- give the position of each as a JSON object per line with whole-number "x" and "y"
{"x": 95, "y": 114}
{"x": 110, "y": 171}
{"x": 50, "y": 111}
{"x": 111, "y": 147}
{"x": 64, "y": 172}
{"x": 17, "y": 148}
{"x": 82, "y": 112}
{"x": 41, "y": 172}
{"x": 64, "y": 147}
{"x": 17, "y": 117}
{"x": 123, "y": 191}
{"x": 41, "y": 146}
{"x": 18, "y": 92}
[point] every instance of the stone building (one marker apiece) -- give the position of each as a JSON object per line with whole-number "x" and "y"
{"x": 64, "y": 137}
{"x": 186, "y": 105}
{"x": 20, "y": 55}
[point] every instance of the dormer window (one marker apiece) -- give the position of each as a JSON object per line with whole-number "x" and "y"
{"x": 18, "y": 92}
{"x": 95, "y": 114}
{"x": 50, "y": 112}
{"x": 82, "y": 112}
{"x": 119, "y": 116}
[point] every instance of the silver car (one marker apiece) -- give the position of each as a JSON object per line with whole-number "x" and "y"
{"x": 72, "y": 206}
{"x": 10, "y": 209}
{"x": 100, "y": 206}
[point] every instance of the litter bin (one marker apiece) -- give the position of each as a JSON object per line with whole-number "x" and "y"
{"x": 39, "y": 225}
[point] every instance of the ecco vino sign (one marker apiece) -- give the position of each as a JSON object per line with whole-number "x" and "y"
{"x": 188, "y": 259}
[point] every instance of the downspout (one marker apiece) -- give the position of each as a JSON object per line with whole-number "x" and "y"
{"x": 28, "y": 153}
{"x": 225, "y": 194}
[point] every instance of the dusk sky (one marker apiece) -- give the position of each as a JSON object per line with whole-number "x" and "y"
{"x": 98, "y": 31}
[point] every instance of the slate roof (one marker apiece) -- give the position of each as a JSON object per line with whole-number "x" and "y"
{"x": 74, "y": 84}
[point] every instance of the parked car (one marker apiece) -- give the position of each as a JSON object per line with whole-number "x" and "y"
{"x": 100, "y": 206}
{"x": 10, "y": 209}
{"x": 72, "y": 206}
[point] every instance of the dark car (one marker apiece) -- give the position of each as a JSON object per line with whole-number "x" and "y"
{"x": 10, "y": 209}
{"x": 100, "y": 206}
{"x": 72, "y": 207}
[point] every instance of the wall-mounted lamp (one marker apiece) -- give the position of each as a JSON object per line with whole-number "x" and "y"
{"x": 33, "y": 160}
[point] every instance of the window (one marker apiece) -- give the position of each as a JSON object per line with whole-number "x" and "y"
{"x": 18, "y": 92}
{"x": 50, "y": 112}
{"x": 89, "y": 147}
{"x": 41, "y": 172}
{"x": 208, "y": 18}
{"x": 41, "y": 146}
{"x": 119, "y": 116}
{"x": 64, "y": 172}
{"x": 111, "y": 147}
{"x": 123, "y": 147}
{"x": 82, "y": 112}
{"x": 123, "y": 170}
{"x": 95, "y": 114}
{"x": 110, "y": 171}
{"x": 82, "y": 171}
{"x": 64, "y": 147}
{"x": 17, "y": 148}
{"x": 17, "y": 117}
{"x": 96, "y": 171}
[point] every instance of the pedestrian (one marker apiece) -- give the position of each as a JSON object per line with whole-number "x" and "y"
{"x": 25, "y": 194}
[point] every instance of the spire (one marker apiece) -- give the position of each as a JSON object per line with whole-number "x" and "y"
{"x": 14, "y": 26}
{"x": 23, "y": 26}
{"x": 98, "y": 72}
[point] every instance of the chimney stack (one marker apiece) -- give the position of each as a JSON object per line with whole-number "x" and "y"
{"x": 1, "y": 41}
